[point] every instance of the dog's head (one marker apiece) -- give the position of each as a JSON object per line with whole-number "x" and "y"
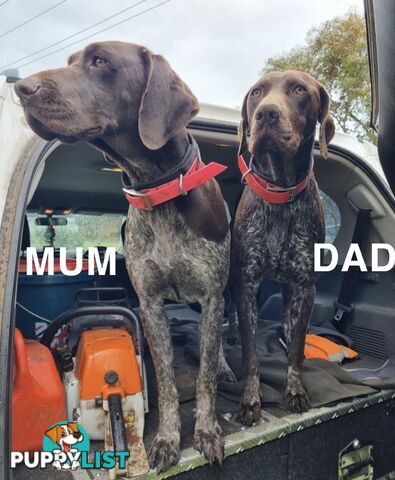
{"x": 280, "y": 113}
{"x": 65, "y": 435}
{"x": 109, "y": 88}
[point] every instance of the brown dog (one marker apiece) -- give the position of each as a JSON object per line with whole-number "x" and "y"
{"x": 279, "y": 219}
{"x": 131, "y": 105}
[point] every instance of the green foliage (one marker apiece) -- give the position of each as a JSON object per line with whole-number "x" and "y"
{"x": 335, "y": 53}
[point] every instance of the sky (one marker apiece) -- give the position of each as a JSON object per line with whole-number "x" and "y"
{"x": 218, "y": 47}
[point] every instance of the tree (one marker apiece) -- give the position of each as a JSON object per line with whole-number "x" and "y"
{"x": 335, "y": 53}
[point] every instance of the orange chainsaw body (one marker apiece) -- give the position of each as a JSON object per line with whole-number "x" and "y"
{"x": 107, "y": 350}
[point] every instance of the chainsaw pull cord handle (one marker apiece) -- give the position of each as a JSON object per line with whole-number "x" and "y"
{"x": 22, "y": 367}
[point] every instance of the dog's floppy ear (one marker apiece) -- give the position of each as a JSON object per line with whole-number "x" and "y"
{"x": 167, "y": 103}
{"x": 327, "y": 125}
{"x": 243, "y": 126}
{"x": 54, "y": 433}
{"x": 73, "y": 426}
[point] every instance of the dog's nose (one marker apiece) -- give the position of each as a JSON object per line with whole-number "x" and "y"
{"x": 77, "y": 435}
{"x": 27, "y": 87}
{"x": 267, "y": 114}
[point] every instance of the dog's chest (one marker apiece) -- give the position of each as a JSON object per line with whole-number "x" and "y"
{"x": 282, "y": 237}
{"x": 162, "y": 253}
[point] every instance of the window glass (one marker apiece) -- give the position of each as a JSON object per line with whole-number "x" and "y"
{"x": 332, "y": 217}
{"x": 81, "y": 231}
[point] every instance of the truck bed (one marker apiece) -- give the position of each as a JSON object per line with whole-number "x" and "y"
{"x": 269, "y": 449}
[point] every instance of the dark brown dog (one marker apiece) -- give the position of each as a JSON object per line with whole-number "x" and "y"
{"x": 131, "y": 105}
{"x": 276, "y": 241}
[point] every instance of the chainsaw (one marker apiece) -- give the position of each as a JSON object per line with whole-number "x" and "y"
{"x": 101, "y": 360}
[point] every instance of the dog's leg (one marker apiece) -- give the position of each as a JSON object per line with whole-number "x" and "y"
{"x": 225, "y": 373}
{"x": 233, "y": 328}
{"x": 165, "y": 449}
{"x": 298, "y": 305}
{"x": 208, "y": 438}
{"x": 247, "y": 312}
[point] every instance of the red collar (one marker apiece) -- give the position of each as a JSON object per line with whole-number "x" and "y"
{"x": 197, "y": 174}
{"x": 267, "y": 191}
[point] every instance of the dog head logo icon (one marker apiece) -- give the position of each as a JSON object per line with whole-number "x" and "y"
{"x": 67, "y": 440}
{"x": 65, "y": 435}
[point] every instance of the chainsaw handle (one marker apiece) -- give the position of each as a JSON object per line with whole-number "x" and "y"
{"x": 73, "y": 313}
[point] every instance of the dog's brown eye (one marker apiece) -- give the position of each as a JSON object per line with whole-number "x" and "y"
{"x": 98, "y": 62}
{"x": 63, "y": 434}
{"x": 256, "y": 92}
{"x": 298, "y": 90}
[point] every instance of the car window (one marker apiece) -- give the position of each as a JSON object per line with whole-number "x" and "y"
{"x": 81, "y": 231}
{"x": 332, "y": 217}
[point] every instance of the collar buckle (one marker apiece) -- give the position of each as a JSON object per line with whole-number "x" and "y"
{"x": 291, "y": 190}
{"x": 180, "y": 186}
{"x": 136, "y": 193}
{"x": 243, "y": 177}
{"x": 292, "y": 195}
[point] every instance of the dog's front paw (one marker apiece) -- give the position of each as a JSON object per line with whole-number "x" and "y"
{"x": 164, "y": 453}
{"x": 297, "y": 401}
{"x": 210, "y": 442}
{"x": 248, "y": 414}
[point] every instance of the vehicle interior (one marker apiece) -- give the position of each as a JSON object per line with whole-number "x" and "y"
{"x": 77, "y": 183}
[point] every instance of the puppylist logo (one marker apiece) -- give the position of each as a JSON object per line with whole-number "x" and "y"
{"x": 66, "y": 446}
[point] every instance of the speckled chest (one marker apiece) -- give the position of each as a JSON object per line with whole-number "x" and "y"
{"x": 278, "y": 240}
{"x": 164, "y": 257}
